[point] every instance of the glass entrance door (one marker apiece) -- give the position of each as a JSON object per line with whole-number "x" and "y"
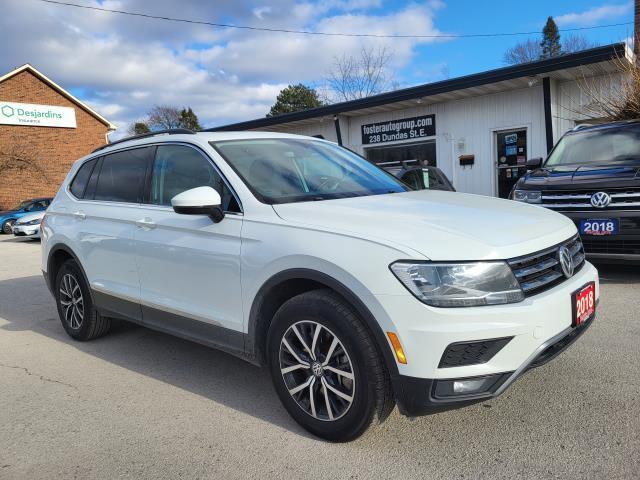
{"x": 511, "y": 161}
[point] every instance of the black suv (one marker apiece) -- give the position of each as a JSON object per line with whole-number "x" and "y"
{"x": 592, "y": 176}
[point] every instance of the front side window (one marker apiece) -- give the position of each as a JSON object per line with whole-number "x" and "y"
{"x": 287, "y": 170}
{"x": 597, "y": 147}
{"x": 178, "y": 168}
{"x": 38, "y": 206}
{"x": 122, "y": 175}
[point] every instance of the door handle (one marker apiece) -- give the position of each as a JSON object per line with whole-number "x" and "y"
{"x": 145, "y": 223}
{"x": 80, "y": 215}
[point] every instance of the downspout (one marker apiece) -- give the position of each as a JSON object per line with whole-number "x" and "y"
{"x": 336, "y": 122}
{"x": 548, "y": 122}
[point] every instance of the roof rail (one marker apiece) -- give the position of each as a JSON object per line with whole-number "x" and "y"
{"x": 169, "y": 131}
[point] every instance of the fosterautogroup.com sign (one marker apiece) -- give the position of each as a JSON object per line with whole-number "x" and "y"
{"x": 403, "y": 129}
{"x": 36, "y": 115}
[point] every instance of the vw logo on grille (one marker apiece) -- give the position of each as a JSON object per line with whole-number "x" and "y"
{"x": 600, "y": 199}
{"x": 566, "y": 261}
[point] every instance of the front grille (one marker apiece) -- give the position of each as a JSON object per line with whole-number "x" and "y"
{"x": 461, "y": 354}
{"x": 612, "y": 245}
{"x": 621, "y": 199}
{"x": 541, "y": 271}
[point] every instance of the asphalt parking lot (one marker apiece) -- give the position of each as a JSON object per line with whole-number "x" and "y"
{"x": 141, "y": 404}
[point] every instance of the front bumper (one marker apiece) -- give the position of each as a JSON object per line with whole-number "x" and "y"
{"x": 418, "y": 396}
{"x": 427, "y": 334}
{"x": 26, "y": 230}
{"x": 623, "y": 246}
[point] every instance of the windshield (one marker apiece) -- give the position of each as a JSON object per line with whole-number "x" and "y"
{"x": 597, "y": 147}
{"x": 287, "y": 170}
{"x": 21, "y": 205}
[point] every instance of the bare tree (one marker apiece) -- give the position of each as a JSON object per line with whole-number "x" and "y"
{"x": 523, "y": 52}
{"x": 576, "y": 43}
{"x": 18, "y": 154}
{"x": 531, "y": 50}
{"x": 621, "y": 101}
{"x": 162, "y": 117}
{"x": 360, "y": 76}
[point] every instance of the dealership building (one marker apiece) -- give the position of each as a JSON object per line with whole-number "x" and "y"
{"x": 43, "y": 130}
{"x": 479, "y": 129}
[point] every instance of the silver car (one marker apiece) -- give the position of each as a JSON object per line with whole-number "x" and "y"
{"x": 28, "y": 225}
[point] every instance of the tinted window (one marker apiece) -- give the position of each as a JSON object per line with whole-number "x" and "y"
{"x": 79, "y": 183}
{"x": 178, "y": 168}
{"x": 122, "y": 176}
{"x": 93, "y": 180}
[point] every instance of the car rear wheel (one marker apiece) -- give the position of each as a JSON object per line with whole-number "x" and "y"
{"x": 326, "y": 367}
{"x": 7, "y": 227}
{"x": 79, "y": 317}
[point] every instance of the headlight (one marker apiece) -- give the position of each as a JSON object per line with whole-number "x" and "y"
{"x": 32, "y": 222}
{"x": 529, "y": 196}
{"x": 460, "y": 284}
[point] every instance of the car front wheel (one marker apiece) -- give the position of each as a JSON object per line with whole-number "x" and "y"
{"x": 7, "y": 227}
{"x": 326, "y": 367}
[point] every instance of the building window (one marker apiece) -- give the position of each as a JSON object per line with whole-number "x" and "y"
{"x": 423, "y": 153}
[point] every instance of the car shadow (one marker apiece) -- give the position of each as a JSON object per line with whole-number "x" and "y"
{"x": 618, "y": 273}
{"x": 27, "y": 305}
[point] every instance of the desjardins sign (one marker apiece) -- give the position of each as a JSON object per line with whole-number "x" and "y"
{"x": 403, "y": 129}
{"x": 36, "y": 115}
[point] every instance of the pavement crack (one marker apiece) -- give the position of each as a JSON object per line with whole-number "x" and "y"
{"x": 41, "y": 377}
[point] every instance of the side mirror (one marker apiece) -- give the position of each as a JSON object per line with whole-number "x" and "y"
{"x": 199, "y": 201}
{"x": 534, "y": 163}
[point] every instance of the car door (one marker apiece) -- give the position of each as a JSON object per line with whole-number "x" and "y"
{"x": 189, "y": 266}
{"x": 108, "y": 199}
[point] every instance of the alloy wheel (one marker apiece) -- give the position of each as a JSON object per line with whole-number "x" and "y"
{"x": 317, "y": 370}
{"x": 71, "y": 301}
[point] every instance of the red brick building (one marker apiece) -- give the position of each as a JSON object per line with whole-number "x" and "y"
{"x": 43, "y": 130}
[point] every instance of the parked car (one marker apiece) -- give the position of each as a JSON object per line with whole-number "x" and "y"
{"x": 28, "y": 225}
{"x": 292, "y": 252}
{"x": 9, "y": 217}
{"x": 593, "y": 177}
{"x": 422, "y": 177}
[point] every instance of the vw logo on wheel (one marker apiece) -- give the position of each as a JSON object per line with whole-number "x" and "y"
{"x": 600, "y": 199}
{"x": 566, "y": 261}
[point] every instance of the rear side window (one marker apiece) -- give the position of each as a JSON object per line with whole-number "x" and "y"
{"x": 122, "y": 176}
{"x": 79, "y": 183}
{"x": 178, "y": 168}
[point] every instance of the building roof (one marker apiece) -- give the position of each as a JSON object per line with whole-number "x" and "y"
{"x": 59, "y": 89}
{"x": 571, "y": 65}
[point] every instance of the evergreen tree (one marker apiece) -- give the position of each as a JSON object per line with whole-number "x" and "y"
{"x": 140, "y": 128}
{"x": 550, "y": 40}
{"x": 189, "y": 120}
{"x": 293, "y": 99}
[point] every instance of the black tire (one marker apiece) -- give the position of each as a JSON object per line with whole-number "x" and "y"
{"x": 370, "y": 388}
{"x": 90, "y": 324}
{"x": 7, "y": 227}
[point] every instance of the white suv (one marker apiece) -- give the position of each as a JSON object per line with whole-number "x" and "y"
{"x": 295, "y": 253}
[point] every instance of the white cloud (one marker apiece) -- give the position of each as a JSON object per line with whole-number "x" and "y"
{"x": 594, "y": 15}
{"x": 124, "y": 65}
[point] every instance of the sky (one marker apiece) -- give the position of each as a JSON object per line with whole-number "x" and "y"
{"x": 121, "y": 65}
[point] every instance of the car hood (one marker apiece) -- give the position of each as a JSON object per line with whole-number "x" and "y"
{"x": 30, "y": 216}
{"x": 565, "y": 177}
{"x": 438, "y": 225}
